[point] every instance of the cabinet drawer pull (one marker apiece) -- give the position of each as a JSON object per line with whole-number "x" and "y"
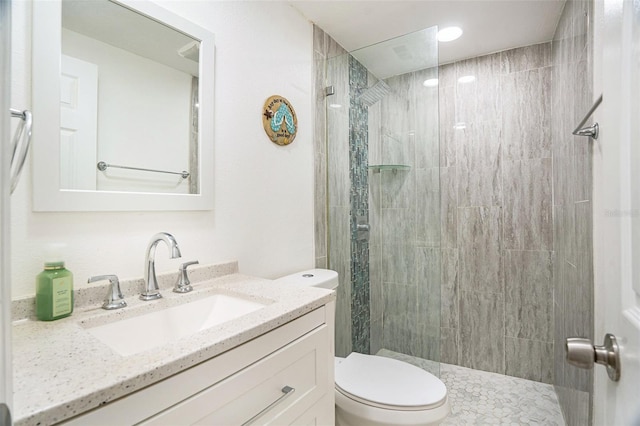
{"x": 286, "y": 391}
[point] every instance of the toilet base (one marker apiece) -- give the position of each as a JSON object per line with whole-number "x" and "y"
{"x": 353, "y": 413}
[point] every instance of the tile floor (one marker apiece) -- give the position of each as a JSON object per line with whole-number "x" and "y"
{"x": 482, "y": 398}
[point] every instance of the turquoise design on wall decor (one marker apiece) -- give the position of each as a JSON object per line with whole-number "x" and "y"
{"x": 279, "y": 120}
{"x": 283, "y": 114}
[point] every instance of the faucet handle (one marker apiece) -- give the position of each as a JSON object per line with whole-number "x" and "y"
{"x": 183, "y": 285}
{"x": 114, "y": 298}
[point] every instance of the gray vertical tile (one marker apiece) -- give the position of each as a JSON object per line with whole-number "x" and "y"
{"x": 426, "y": 110}
{"x": 428, "y": 275}
{"x": 320, "y": 206}
{"x": 333, "y": 49}
{"x": 338, "y": 158}
{"x": 489, "y": 94}
{"x": 447, "y": 75}
{"x": 466, "y": 92}
{"x": 527, "y": 205}
{"x": 377, "y": 336}
{"x": 399, "y": 317}
{"x": 575, "y": 317}
{"x": 375, "y": 210}
{"x": 319, "y": 40}
{"x": 340, "y": 258}
{"x": 426, "y": 343}
{"x": 450, "y": 289}
{"x": 321, "y": 262}
{"x": 478, "y": 165}
{"x": 398, "y": 189}
{"x": 398, "y": 264}
{"x": 529, "y": 359}
{"x": 448, "y": 207}
{"x": 526, "y": 114}
{"x": 482, "y": 331}
{"x": 449, "y": 346}
{"x": 526, "y": 58}
{"x": 528, "y": 295}
{"x": 375, "y": 280}
{"x": 375, "y": 135}
{"x": 447, "y": 121}
{"x": 480, "y": 246}
{"x": 338, "y": 77}
{"x": 427, "y": 199}
{"x": 398, "y": 226}
{"x": 398, "y": 131}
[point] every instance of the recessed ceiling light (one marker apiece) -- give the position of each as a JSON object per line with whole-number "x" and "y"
{"x": 449, "y": 33}
{"x": 467, "y": 79}
{"x": 431, "y": 82}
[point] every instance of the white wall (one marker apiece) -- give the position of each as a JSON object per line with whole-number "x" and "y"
{"x": 143, "y": 114}
{"x": 263, "y": 213}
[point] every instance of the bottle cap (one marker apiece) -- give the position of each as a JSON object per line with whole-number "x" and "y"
{"x": 53, "y": 255}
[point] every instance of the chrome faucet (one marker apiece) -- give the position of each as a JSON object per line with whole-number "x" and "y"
{"x": 152, "y": 291}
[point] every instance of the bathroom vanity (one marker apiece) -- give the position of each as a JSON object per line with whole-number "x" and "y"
{"x": 273, "y": 365}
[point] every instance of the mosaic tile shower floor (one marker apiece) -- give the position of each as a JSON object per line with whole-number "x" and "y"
{"x": 482, "y": 398}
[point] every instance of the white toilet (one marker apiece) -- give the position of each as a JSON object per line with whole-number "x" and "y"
{"x": 372, "y": 390}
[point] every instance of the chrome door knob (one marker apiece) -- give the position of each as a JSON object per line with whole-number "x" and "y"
{"x": 584, "y": 354}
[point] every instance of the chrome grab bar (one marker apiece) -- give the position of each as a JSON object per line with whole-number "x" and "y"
{"x": 591, "y": 131}
{"x": 286, "y": 391}
{"x": 20, "y": 144}
{"x": 102, "y": 166}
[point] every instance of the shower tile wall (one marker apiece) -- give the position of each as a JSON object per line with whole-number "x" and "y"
{"x": 572, "y": 96}
{"x": 497, "y": 233}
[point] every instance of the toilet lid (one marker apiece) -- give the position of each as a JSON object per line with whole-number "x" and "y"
{"x": 388, "y": 383}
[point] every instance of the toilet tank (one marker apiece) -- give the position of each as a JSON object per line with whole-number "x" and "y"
{"x": 322, "y": 278}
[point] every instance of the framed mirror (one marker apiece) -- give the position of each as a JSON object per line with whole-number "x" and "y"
{"x": 123, "y": 108}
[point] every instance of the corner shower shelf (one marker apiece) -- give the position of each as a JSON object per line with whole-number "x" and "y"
{"x": 377, "y": 168}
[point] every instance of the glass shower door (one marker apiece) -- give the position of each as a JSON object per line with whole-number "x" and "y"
{"x": 384, "y": 198}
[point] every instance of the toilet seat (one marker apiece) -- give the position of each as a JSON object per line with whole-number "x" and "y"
{"x": 388, "y": 383}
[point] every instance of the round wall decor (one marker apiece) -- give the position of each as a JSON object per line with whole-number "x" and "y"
{"x": 279, "y": 120}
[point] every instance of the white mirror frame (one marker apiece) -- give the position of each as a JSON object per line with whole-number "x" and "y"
{"x": 46, "y": 51}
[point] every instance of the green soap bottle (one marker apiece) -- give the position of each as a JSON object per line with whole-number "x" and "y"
{"x": 54, "y": 292}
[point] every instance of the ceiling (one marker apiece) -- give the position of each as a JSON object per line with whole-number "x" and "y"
{"x": 489, "y": 25}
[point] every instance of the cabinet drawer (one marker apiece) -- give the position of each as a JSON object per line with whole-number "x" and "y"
{"x": 301, "y": 365}
{"x": 160, "y": 397}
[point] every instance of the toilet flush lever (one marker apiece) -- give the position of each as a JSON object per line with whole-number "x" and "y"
{"x": 584, "y": 354}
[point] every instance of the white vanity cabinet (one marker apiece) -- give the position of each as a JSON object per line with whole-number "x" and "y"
{"x": 245, "y": 385}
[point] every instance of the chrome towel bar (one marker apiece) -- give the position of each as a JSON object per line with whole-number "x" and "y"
{"x": 102, "y": 166}
{"x": 591, "y": 131}
{"x": 20, "y": 144}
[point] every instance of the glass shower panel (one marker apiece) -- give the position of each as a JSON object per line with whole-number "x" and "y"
{"x": 384, "y": 196}
{"x": 338, "y": 206}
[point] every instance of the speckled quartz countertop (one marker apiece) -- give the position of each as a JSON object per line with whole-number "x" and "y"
{"x": 60, "y": 370}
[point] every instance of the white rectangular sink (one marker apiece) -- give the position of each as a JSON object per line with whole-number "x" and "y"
{"x": 140, "y": 333}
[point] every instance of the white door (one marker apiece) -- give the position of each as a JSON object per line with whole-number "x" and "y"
{"x": 617, "y": 207}
{"x": 78, "y": 123}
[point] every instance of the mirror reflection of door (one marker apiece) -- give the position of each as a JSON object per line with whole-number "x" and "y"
{"x": 78, "y": 123}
